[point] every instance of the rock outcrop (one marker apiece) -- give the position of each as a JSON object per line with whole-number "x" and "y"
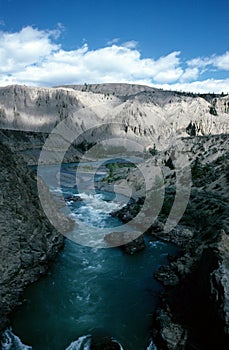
{"x": 130, "y": 242}
{"x": 27, "y": 239}
{"x": 194, "y": 312}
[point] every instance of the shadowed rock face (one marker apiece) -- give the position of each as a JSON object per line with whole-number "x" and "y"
{"x": 194, "y": 313}
{"x": 27, "y": 240}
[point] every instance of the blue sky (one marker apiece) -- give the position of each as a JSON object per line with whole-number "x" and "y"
{"x": 170, "y": 44}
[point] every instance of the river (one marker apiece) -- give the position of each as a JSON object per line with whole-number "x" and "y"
{"x": 88, "y": 290}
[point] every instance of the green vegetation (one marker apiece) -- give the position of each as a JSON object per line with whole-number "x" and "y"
{"x": 118, "y": 171}
{"x": 84, "y": 146}
{"x": 206, "y": 212}
{"x": 153, "y": 151}
{"x": 205, "y": 173}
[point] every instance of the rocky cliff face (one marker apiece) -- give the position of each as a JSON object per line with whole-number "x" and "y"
{"x": 28, "y": 144}
{"x": 193, "y": 312}
{"x": 27, "y": 240}
{"x": 143, "y": 112}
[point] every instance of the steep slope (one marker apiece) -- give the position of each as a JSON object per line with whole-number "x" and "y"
{"x": 27, "y": 240}
{"x": 194, "y": 310}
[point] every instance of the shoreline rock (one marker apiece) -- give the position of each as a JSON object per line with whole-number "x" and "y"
{"x": 194, "y": 309}
{"x": 130, "y": 242}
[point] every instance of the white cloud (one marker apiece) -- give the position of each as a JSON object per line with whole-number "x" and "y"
{"x": 200, "y": 62}
{"x": 190, "y": 74}
{"x": 113, "y": 41}
{"x": 29, "y": 46}
{"x": 132, "y": 44}
{"x": 32, "y": 57}
{"x": 204, "y": 86}
{"x": 170, "y": 69}
{"x": 218, "y": 61}
{"x": 222, "y": 61}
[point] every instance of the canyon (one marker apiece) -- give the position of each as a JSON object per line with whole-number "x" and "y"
{"x": 177, "y": 132}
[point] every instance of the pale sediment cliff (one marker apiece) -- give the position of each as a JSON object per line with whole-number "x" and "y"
{"x": 141, "y": 111}
{"x": 96, "y": 113}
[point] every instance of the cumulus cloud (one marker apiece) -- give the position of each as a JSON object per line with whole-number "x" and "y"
{"x": 218, "y": 61}
{"x": 204, "y": 86}
{"x": 190, "y": 74}
{"x": 222, "y": 61}
{"x": 32, "y": 56}
{"x": 27, "y": 47}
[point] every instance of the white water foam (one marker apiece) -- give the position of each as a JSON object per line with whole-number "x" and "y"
{"x": 83, "y": 343}
{"x": 59, "y": 190}
{"x": 151, "y": 346}
{"x": 94, "y": 210}
{"x": 97, "y": 202}
{"x": 115, "y": 341}
{"x": 12, "y": 342}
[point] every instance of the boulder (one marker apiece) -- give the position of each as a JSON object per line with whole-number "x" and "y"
{"x": 130, "y": 242}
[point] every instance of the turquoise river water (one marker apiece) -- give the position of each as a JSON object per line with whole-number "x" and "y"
{"x": 90, "y": 290}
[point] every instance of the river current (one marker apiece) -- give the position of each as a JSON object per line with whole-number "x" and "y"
{"x": 90, "y": 291}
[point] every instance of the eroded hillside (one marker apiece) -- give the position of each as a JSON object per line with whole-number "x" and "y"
{"x": 144, "y": 112}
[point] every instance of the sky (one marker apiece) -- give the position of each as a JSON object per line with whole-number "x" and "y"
{"x": 175, "y": 45}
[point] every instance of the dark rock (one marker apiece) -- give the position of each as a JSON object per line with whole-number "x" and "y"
{"x": 180, "y": 235}
{"x": 101, "y": 340}
{"x": 194, "y": 313}
{"x": 172, "y": 335}
{"x": 167, "y": 276}
{"x": 74, "y": 198}
{"x": 131, "y": 210}
{"x": 157, "y": 226}
{"x": 104, "y": 343}
{"x": 28, "y": 241}
{"x": 130, "y": 242}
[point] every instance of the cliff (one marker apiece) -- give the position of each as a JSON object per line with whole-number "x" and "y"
{"x": 193, "y": 312}
{"x": 143, "y": 113}
{"x": 27, "y": 240}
